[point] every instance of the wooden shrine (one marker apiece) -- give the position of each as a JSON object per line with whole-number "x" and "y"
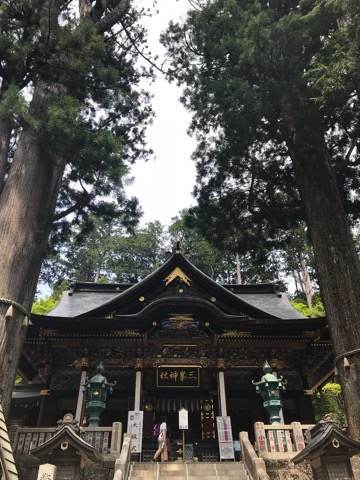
{"x": 175, "y": 339}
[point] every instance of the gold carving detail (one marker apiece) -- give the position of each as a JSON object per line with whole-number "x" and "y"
{"x": 177, "y": 273}
{"x": 125, "y": 333}
{"x": 46, "y": 332}
{"x": 235, "y": 333}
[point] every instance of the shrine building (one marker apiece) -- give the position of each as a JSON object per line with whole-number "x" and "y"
{"x": 175, "y": 339}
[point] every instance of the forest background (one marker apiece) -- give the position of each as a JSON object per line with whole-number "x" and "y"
{"x": 273, "y": 88}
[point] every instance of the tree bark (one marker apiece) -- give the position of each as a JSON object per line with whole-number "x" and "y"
{"x": 5, "y": 134}
{"x": 309, "y": 291}
{"x": 338, "y": 266}
{"x": 27, "y": 203}
{"x": 238, "y": 269}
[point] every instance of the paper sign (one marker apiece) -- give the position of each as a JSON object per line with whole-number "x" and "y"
{"x": 135, "y": 427}
{"x": 225, "y": 438}
{"x": 183, "y": 419}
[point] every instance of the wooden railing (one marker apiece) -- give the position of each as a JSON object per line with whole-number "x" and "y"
{"x": 255, "y": 468}
{"x": 106, "y": 440}
{"x": 278, "y": 441}
{"x": 122, "y": 464}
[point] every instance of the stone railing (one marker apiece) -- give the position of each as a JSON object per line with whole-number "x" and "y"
{"x": 255, "y": 468}
{"x": 278, "y": 441}
{"x": 106, "y": 440}
{"x": 122, "y": 464}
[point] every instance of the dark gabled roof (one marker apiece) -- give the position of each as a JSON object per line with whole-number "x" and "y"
{"x": 95, "y": 300}
{"x": 66, "y": 433}
{"x": 325, "y": 437}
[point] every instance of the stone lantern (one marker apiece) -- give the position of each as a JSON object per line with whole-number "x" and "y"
{"x": 329, "y": 451}
{"x": 97, "y": 389}
{"x": 269, "y": 388}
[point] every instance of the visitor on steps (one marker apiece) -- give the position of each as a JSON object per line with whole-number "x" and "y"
{"x": 162, "y": 451}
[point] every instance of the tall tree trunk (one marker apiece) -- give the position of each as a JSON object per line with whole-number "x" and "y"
{"x": 338, "y": 266}
{"x": 300, "y": 281}
{"x": 5, "y": 134}
{"x": 238, "y": 270}
{"x": 296, "y": 282}
{"x": 309, "y": 291}
{"x": 27, "y": 203}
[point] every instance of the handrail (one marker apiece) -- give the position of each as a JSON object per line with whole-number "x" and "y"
{"x": 255, "y": 467}
{"x": 280, "y": 441}
{"x": 122, "y": 464}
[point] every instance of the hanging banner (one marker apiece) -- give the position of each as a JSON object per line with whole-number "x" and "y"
{"x": 169, "y": 376}
{"x": 135, "y": 427}
{"x": 183, "y": 419}
{"x": 225, "y": 438}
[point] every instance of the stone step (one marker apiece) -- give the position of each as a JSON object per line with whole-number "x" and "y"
{"x": 188, "y": 471}
{"x": 152, "y": 476}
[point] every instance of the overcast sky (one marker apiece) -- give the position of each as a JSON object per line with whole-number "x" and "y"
{"x": 164, "y": 185}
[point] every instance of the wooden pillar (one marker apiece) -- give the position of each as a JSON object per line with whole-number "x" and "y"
{"x": 80, "y": 400}
{"x": 138, "y": 380}
{"x": 43, "y": 395}
{"x": 221, "y": 388}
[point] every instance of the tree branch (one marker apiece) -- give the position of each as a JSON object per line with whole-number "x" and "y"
{"x": 133, "y": 43}
{"x": 107, "y": 22}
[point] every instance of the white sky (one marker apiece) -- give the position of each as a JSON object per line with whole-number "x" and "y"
{"x": 164, "y": 185}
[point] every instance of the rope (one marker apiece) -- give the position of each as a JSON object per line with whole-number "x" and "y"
{"x": 346, "y": 354}
{"x": 17, "y": 305}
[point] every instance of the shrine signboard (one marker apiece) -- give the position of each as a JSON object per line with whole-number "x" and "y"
{"x": 225, "y": 438}
{"x": 135, "y": 427}
{"x": 170, "y": 376}
{"x": 183, "y": 419}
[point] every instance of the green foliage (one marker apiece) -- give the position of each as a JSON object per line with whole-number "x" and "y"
{"x": 246, "y": 68}
{"x": 316, "y": 311}
{"x": 96, "y": 111}
{"x": 110, "y": 253}
{"x": 107, "y": 253}
{"x": 219, "y": 265}
{"x": 329, "y": 401}
{"x": 44, "y": 305}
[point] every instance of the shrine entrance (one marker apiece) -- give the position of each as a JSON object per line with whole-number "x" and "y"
{"x": 173, "y": 388}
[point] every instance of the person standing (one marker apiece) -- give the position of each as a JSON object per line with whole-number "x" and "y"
{"x": 162, "y": 450}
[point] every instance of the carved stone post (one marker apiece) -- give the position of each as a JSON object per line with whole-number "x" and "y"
{"x": 115, "y": 447}
{"x": 47, "y": 471}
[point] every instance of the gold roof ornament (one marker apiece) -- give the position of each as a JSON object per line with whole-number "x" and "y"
{"x": 177, "y": 273}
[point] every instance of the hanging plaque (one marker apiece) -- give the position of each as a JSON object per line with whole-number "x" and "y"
{"x": 135, "y": 427}
{"x": 170, "y": 376}
{"x": 225, "y": 438}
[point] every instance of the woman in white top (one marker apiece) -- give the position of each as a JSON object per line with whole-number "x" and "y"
{"x": 162, "y": 447}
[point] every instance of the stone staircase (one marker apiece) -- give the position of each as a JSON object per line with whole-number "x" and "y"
{"x": 187, "y": 471}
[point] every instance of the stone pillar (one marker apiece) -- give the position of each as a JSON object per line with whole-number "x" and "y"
{"x": 221, "y": 386}
{"x": 138, "y": 380}
{"x": 260, "y": 437}
{"x": 47, "y": 471}
{"x": 298, "y": 436}
{"x": 80, "y": 400}
{"x": 116, "y": 437}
